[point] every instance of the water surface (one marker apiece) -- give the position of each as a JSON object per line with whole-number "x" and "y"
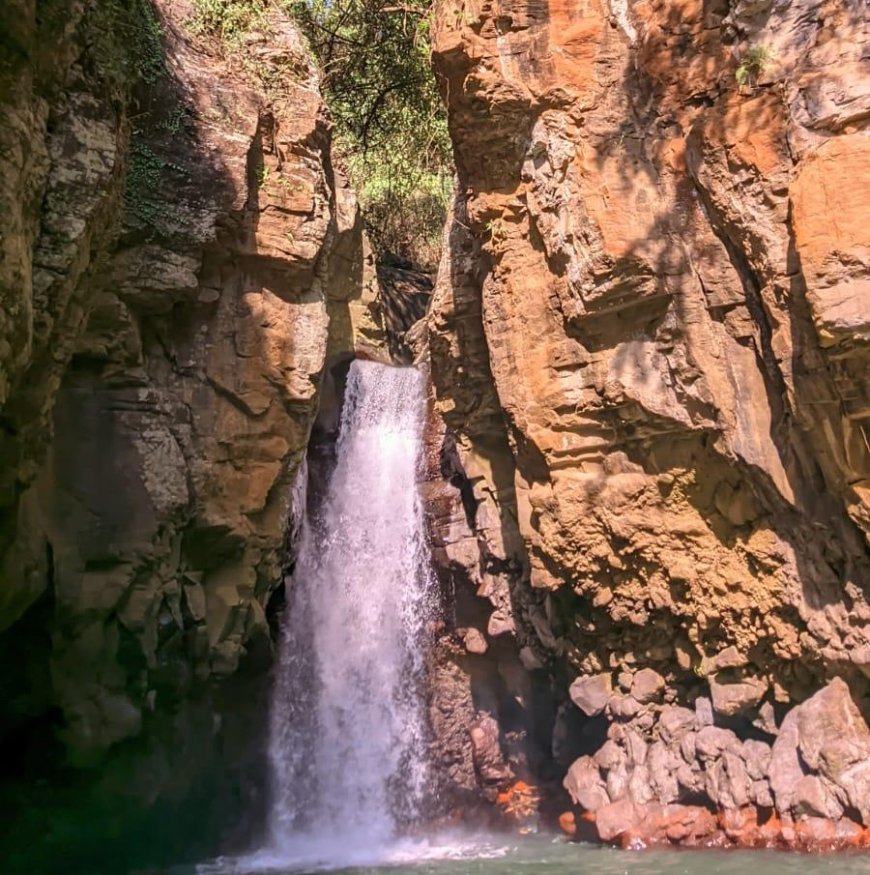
{"x": 454, "y": 854}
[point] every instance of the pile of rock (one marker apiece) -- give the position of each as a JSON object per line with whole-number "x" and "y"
{"x": 669, "y": 774}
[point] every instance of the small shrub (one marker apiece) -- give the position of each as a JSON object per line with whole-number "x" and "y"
{"x": 754, "y": 61}
{"x": 228, "y": 20}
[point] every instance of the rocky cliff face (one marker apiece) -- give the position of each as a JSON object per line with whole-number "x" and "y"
{"x": 649, "y": 345}
{"x": 180, "y": 261}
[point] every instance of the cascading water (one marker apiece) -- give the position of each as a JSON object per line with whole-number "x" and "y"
{"x": 347, "y": 729}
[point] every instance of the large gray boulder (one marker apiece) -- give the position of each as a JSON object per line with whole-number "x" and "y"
{"x": 826, "y": 736}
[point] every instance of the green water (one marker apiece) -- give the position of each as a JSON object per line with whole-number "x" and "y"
{"x": 538, "y": 856}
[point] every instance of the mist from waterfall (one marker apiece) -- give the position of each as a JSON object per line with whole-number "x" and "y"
{"x": 347, "y": 740}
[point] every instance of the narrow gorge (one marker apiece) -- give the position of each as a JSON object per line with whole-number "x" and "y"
{"x": 313, "y": 555}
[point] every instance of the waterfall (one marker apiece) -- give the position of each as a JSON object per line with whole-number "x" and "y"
{"x": 347, "y": 736}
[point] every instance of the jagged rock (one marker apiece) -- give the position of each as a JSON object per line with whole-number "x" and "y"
{"x": 834, "y": 740}
{"x": 675, "y": 722}
{"x": 475, "y": 642}
{"x": 486, "y": 751}
{"x": 591, "y": 694}
{"x": 647, "y": 686}
{"x": 584, "y": 785}
{"x": 734, "y": 698}
{"x": 712, "y": 741}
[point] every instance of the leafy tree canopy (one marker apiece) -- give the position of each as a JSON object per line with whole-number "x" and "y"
{"x": 390, "y": 123}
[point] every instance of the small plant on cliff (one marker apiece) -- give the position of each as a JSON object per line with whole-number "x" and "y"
{"x": 753, "y": 62}
{"x": 497, "y": 230}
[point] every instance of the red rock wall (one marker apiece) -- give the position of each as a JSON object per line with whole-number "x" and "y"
{"x": 649, "y": 339}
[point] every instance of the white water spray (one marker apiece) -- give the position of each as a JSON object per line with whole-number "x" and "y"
{"x": 347, "y": 729}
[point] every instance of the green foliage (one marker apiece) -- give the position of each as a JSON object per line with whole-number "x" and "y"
{"x": 126, "y": 39}
{"x": 753, "y": 62}
{"x": 391, "y": 129}
{"x": 229, "y": 20}
{"x": 145, "y": 175}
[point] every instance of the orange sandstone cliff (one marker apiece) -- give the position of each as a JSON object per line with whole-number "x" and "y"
{"x": 650, "y": 346}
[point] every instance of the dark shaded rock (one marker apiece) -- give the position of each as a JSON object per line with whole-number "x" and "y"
{"x": 486, "y": 752}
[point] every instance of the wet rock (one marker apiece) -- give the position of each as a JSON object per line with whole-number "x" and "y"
{"x": 568, "y": 823}
{"x": 632, "y": 825}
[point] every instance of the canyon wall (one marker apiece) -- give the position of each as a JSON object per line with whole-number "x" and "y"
{"x": 180, "y": 262}
{"x": 649, "y": 342}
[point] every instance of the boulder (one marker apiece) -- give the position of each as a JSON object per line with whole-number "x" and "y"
{"x": 675, "y": 722}
{"x": 785, "y": 770}
{"x": 812, "y": 797}
{"x": 591, "y": 693}
{"x": 834, "y": 740}
{"x": 730, "y": 699}
{"x": 647, "y": 686}
{"x": 585, "y": 786}
{"x": 623, "y": 707}
{"x": 711, "y": 741}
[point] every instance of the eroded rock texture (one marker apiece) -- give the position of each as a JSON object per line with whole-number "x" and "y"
{"x": 180, "y": 260}
{"x": 649, "y": 346}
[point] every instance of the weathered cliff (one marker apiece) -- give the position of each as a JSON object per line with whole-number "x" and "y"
{"x": 649, "y": 344}
{"x": 180, "y": 261}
